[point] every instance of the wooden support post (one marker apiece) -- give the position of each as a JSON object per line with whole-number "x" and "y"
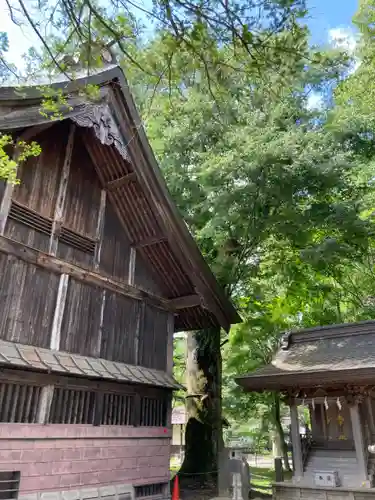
{"x": 101, "y": 324}
{"x": 45, "y": 402}
{"x": 296, "y": 443}
{"x": 359, "y": 444}
{"x": 170, "y": 332}
{"x": 61, "y": 195}
{"x": 59, "y": 312}
{"x": 100, "y": 229}
{"x": 5, "y": 205}
{"x": 138, "y": 332}
{"x": 132, "y": 263}
{"x": 370, "y": 414}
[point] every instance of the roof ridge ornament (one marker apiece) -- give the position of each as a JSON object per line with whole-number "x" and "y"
{"x": 99, "y": 117}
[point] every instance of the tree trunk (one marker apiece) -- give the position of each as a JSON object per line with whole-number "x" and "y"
{"x": 203, "y": 436}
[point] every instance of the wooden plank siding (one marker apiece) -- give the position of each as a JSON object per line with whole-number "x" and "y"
{"x": 115, "y": 250}
{"x": 153, "y": 340}
{"x": 40, "y": 175}
{"x": 81, "y": 321}
{"x": 119, "y": 328}
{"x": 97, "y": 320}
{"x": 27, "y": 302}
{"x": 143, "y": 276}
{"x": 83, "y": 193}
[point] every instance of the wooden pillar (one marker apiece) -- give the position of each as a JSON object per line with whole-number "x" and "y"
{"x": 296, "y": 443}
{"x": 359, "y": 444}
{"x": 59, "y": 312}
{"x": 61, "y": 195}
{"x": 170, "y": 332}
{"x": 370, "y": 414}
{"x": 45, "y": 402}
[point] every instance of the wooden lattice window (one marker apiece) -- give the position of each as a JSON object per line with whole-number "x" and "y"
{"x": 19, "y": 402}
{"x": 71, "y": 406}
{"x": 77, "y": 240}
{"x": 153, "y": 411}
{"x": 148, "y": 490}
{"x": 24, "y": 215}
{"x": 9, "y": 485}
{"x": 117, "y": 409}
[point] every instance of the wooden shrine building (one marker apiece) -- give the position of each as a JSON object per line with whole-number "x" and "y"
{"x": 97, "y": 270}
{"x": 331, "y": 371}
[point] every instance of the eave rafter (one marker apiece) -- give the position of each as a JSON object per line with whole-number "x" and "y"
{"x": 121, "y": 181}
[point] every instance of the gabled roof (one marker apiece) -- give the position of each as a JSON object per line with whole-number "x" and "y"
{"x": 123, "y": 155}
{"x": 329, "y": 355}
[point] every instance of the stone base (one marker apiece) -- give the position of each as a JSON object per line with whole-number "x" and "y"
{"x": 118, "y": 492}
{"x": 290, "y": 491}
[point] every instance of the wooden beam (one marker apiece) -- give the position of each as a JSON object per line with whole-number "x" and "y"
{"x": 59, "y": 312}
{"x": 132, "y": 263}
{"x": 121, "y": 181}
{"x": 61, "y": 195}
{"x": 100, "y": 228}
{"x": 60, "y": 266}
{"x": 149, "y": 241}
{"x": 185, "y": 302}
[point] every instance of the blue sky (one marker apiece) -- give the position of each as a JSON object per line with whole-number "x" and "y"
{"x": 328, "y": 19}
{"x": 325, "y": 15}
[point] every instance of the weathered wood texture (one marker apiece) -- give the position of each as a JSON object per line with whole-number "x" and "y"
{"x": 81, "y": 320}
{"x": 40, "y": 175}
{"x": 2, "y": 189}
{"x": 18, "y": 231}
{"x": 144, "y": 278}
{"x": 153, "y": 340}
{"x": 27, "y": 302}
{"x": 115, "y": 251}
{"x": 83, "y": 193}
{"x": 119, "y": 328}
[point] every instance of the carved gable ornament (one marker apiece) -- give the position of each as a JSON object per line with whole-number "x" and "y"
{"x": 99, "y": 117}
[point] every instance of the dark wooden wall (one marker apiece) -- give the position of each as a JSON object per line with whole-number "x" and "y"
{"x": 94, "y": 322}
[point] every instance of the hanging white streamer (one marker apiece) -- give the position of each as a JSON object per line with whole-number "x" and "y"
{"x": 339, "y": 405}
{"x": 313, "y": 404}
{"x": 326, "y": 403}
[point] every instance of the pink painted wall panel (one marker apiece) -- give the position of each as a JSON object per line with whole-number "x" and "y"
{"x": 52, "y": 457}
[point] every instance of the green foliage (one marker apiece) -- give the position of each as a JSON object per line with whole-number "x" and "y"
{"x": 9, "y": 163}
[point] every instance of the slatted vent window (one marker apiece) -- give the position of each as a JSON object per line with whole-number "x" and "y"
{"x": 30, "y": 218}
{"x": 71, "y": 406}
{"x": 153, "y": 412}
{"x": 9, "y": 485}
{"x": 19, "y": 403}
{"x": 76, "y": 240}
{"x": 148, "y": 490}
{"x": 117, "y": 409}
